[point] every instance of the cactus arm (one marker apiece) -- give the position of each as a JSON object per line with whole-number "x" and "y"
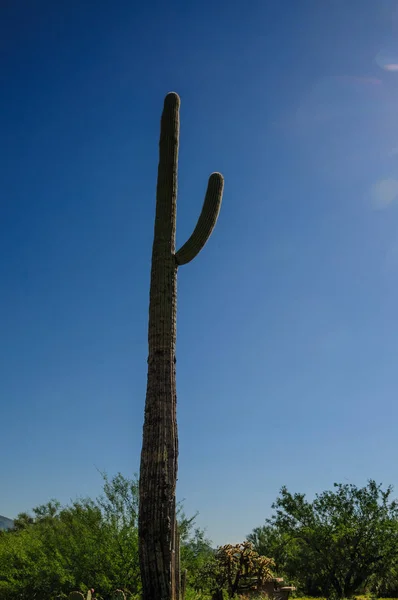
{"x": 206, "y": 222}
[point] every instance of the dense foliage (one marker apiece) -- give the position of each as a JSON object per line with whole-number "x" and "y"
{"x": 342, "y": 543}
{"x": 89, "y": 544}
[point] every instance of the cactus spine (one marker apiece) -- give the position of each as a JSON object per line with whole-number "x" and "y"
{"x": 158, "y": 471}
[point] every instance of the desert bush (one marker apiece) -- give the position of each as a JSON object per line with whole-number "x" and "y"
{"x": 88, "y": 544}
{"x": 341, "y": 543}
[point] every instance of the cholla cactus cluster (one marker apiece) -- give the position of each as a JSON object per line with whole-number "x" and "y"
{"x": 243, "y": 567}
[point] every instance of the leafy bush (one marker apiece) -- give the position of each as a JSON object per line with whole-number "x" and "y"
{"x": 342, "y": 543}
{"x": 89, "y": 544}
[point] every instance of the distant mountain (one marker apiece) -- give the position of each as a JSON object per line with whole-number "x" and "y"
{"x": 6, "y": 523}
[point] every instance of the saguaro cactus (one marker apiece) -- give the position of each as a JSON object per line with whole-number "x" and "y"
{"x": 159, "y": 456}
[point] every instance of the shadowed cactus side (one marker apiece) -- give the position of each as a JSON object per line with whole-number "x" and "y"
{"x": 158, "y": 534}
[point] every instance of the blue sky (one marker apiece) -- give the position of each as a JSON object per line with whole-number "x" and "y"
{"x": 287, "y": 321}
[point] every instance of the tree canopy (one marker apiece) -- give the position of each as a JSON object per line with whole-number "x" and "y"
{"x": 88, "y": 544}
{"x": 340, "y": 543}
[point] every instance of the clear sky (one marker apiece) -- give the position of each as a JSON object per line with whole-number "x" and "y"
{"x": 287, "y": 321}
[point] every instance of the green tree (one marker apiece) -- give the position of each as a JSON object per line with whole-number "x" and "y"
{"x": 343, "y": 540}
{"x": 87, "y": 544}
{"x": 29, "y": 569}
{"x": 268, "y": 540}
{"x": 22, "y": 521}
{"x": 196, "y": 552}
{"x": 119, "y": 506}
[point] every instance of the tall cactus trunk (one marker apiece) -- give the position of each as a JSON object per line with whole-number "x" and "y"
{"x": 158, "y": 471}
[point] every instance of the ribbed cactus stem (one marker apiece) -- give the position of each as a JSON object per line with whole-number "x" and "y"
{"x": 158, "y": 535}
